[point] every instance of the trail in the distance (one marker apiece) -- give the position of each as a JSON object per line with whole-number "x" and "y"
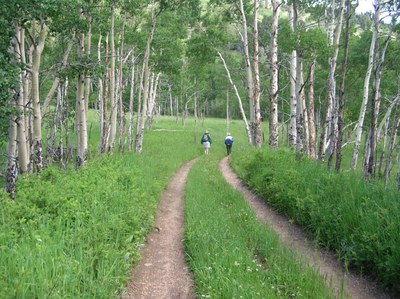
{"x": 162, "y": 271}
{"x": 353, "y": 285}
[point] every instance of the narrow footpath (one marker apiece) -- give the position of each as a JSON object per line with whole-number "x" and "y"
{"x": 162, "y": 271}
{"x": 351, "y": 285}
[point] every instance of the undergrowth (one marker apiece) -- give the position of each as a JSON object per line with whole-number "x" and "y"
{"x": 78, "y": 234}
{"x": 231, "y": 254}
{"x": 359, "y": 220}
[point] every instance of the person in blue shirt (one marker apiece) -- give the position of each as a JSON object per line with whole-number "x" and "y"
{"x": 228, "y": 143}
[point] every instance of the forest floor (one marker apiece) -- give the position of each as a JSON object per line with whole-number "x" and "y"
{"x": 163, "y": 273}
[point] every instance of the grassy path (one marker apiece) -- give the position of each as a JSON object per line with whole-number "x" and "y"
{"x": 232, "y": 254}
{"x": 162, "y": 271}
{"x": 326, "y": 262}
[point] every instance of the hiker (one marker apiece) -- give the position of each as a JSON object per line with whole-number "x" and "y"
{"x": 206, "y": 141}
{"x": 228, "y": 143}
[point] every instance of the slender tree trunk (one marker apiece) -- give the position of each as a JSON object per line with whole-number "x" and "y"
{"x": 87, "y": 77}
{"x": 81, "y": 112}
{"x": 341, "y": 105}
{"x": 104, "y": 127}
{"x": 131, "y": 101}
{"x": 292, "y": 133}
{"x": 328, "y": 129}
{"x": 12, "y": 169}
{"x": 299, "y": 108}
{"x": 376, "y": 101}
{"x": 311, "y": 119}
{"x": 113, "y": 101}
{"x": 249, "y": 71}
{"x": 393, "y": 137}
{"x": 23, "y": 156}
{"x": 146, "y": 75}
{"x": 120, "y": 110}
{"x": 38, "y": 46}
{"x": 171, "y": 108}
{"x": 100, "y": 89}
{"x": 56, "y": 80}
{"x": 256, "y": 97}
{"x": 246, "y": 125}
{"x": 273, "y": 114}
{"x": 304, "y": 111}
{"x": 366, "y": 88}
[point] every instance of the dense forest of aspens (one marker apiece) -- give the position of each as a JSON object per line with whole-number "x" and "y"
{"x": 84, "y": 80}
{"x": 323, "y": 77}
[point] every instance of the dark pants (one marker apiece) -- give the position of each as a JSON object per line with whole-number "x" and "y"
{"x": 228, "y": 149}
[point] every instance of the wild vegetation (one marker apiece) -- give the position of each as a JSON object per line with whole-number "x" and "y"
{"x": 84, "y": 82}
{"x": 77, "y": 234}
{"x": 231, "y": 254}
{"x": 342, "y": 212}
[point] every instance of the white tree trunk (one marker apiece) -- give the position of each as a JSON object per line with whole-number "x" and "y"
{"x": 146, "y": 75}
{"x": 131, "y": 101}
{"x": 56, "y": 80}
{"x": 113, "y": 101}
{"x": 23, "y": 156}
{"x": 328, "y": 124}
{"x": 82, "y": 144}
{"x": 256, "y": 97}
{"x": 312, "y": 144}
{"x": 292, "y": 134}
{"x": 364, "y": 103}
{"x": 249, "y": 71}
{"x": 246, "y": 125}
{"x": 87, "y": 77}
{"x": 38, "y": 46}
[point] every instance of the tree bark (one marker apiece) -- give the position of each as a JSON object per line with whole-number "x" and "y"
{"x": 311, "y": 118}
{"x": 246, "y": 125}
{"x": 38, "y": 46}
{"x": 113, "y": 101}
{"x": 131, "y": 101}
{"x": 292, "y": 134}
{"x": 273, "y": 114}
{"x": 341, "y": 103}
{"x": 23, "y": 156}
{"x": 376, "y": 100}
{"x": 249, "y": 71}
{"x": 328, "y": 129}
{"x": 104, "y": 127}
{"x": 81, "y": 110}
{"x": 364, "y": 103}
{"x": 256, "y": 97}
{"x": 146, "y": 75}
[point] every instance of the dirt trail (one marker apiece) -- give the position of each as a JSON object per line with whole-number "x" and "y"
{"x": 354, "y": 286}
{"x": 162, "y": 271}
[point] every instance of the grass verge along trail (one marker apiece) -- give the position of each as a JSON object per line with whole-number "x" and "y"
{"x": 231, "y": 254}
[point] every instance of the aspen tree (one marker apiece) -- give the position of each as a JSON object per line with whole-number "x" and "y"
{"x": 292, "y": 134}
{"x": 113, "y": 101}
{"x": 249, "y": 70}
{"x": 364, "y": 103}
{"x": 38, "y": 43}
{"x": 341, "y": 103}
{"x": 273, "y": 115}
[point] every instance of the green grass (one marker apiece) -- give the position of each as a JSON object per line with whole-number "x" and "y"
{"x": 77, "y": 234}
{"x": 359, "y": 220}
{"x": 231, "y": 254}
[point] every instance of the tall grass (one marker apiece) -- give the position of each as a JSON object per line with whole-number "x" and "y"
{"x": 359, "y": 220}
{"x": 77, "y": 234}
{"x": 231, "y": 254}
